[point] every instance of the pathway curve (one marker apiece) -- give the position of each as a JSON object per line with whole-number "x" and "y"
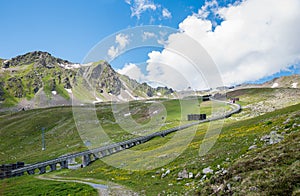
{"x": 102, "y": 189}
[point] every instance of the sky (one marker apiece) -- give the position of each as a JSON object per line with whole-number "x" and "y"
{"x": 245, "y": 41}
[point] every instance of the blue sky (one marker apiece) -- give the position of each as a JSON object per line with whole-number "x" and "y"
{"x": 248, "y": 40}
{"x": 70, "y": 28}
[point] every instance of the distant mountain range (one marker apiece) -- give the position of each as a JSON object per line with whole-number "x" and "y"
{"x": 37, "y": 79}
{"x": 292, "y": 81}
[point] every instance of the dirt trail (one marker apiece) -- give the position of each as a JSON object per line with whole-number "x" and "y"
{"x": 103, "y": 190}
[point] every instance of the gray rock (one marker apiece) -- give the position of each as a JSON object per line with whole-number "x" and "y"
{"x": 183, "y": 174}
{"x": 191, "y": 175}
{"x": 228, "y": 186}
{"x": 224, "y": 172}
{"x": 165, "y": 174}
{"x": 275, "y": 138}
{"x": 198, "y": 175}
{"x": 237, "y": 178}
{"x": 253, "y": 188}
{"x": 252, "y": 147}
{"x": 207, "y": 170}
{"x": 265, "y": 138}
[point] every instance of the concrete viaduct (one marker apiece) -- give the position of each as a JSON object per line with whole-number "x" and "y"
{"x": 90, "y": 155}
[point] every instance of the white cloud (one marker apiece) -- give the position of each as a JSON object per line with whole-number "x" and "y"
{"x": 148, "y": 35}
{"x": 122, "y": 41}
{"x": 133, "y": 71}
{"x": 166, "y": 13}
{"x": 257, "y": 38}
{"x": 207, "y": 8}
{"x": 140, "y": 6}
{"x": 113, "y": 52}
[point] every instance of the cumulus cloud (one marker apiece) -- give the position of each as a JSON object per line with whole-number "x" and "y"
{"x": 133, "y": 71}
{"x": 166, "y": 13}
{"x": 122, "y": 41}
{"x": 210, "y": 7}
{"x": 256, "y": 38}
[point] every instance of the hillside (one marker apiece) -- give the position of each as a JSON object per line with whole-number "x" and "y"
{"x": 37, "y": 79}
{"x": 291, "y": 81}
{"x": 242, "y": 160}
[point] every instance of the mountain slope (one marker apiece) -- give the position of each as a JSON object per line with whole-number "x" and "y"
{"x": 292, "y": 81}
{"x": 37, "y": 79}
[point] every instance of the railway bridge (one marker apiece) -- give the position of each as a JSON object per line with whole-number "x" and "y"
{"x": 90, "y": 155}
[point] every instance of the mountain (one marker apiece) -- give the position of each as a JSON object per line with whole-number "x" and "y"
{"x": 37, "y": 79}
{"x": 292, "y": 81}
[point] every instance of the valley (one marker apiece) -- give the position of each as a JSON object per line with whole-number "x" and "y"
{"x": 239, "y": 133}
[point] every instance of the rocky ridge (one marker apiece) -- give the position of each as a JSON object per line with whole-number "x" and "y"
{"x": 37, "y": 79}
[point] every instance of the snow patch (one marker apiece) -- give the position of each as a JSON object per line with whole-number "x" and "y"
{"x": 150, "y": 102}
{"x": 68, "y": 90}
{"x": 98, "y": 100}
{"x": 54, "y": 92}
{"x": 128, "y": 114}
{"x": 275, "y": 85}
{"x": 126, "y": 91}
{"x": 294, "y": 85}
{"x": 122, "y": 98}
{"x": 159, "y": 94}
{"x": 69, "y": 66}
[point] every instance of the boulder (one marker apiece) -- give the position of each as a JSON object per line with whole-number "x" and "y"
{"x": 165, "y": 174}
{"x": 207, "y": 171}
{"x": 252, "y": 147}
{"x": 183, "y": 174}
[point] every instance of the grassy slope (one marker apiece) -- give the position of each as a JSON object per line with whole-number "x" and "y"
{"x": 233, "y": 142}
{"x": 29, "y": 185}
{"x": 22, "y": 130}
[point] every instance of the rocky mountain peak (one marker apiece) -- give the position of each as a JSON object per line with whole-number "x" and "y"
{"x": 39, "y": 58}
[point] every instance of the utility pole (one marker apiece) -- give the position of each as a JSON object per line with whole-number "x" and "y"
{"x": 43, "y": 139}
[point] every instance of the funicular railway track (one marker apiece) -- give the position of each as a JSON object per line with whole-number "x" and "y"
{"x": 96, "y": 153}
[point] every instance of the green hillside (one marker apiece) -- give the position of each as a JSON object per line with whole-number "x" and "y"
{"x": 265, "y": 170}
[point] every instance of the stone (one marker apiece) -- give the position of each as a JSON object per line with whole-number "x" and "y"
{"x": 287, "y": 121}
{"x": 237, "y": 178}
{"x": 265, "y": 138}
{"x": 224, "y": 172}
{"x": 207, "y": 170}
{"x": 228, "y": 186}
{"x": 183, "y": 174}
{"x": 252, "y": 147}
{"x": 198, "y": 175}
{"x": 165, "y": 174}
{"x": 253, "y": 188}
{"x": 191, "y": 175}
{"x": 275, "y": 138}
